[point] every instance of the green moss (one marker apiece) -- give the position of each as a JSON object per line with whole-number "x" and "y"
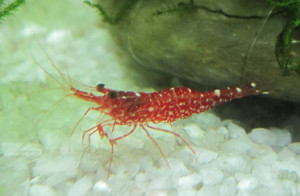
{"x": 285, "y": 39}
{"x": 123, "y": 11}
{"x": 7, "y": 8}
{"x": 179, "y": 8}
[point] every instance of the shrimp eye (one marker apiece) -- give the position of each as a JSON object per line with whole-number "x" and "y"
{"x": 99, "y": 87}
{"x": 112, "y": 94}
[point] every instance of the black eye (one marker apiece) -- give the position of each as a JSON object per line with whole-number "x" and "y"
{"x": 112, "y": 94}
{"x": 99, "y": 87}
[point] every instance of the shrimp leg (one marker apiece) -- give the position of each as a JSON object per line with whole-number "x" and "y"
{"x": 97, "y": 128}
{"x": 86, "y": 112}
{"x": 173, "y": 133}
{"x": 156, "y": 144}
{"x": 113, "y": 142}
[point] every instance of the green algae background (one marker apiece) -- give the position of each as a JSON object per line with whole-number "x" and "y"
{"x": 33, "y": 106}
{"x": 25, "y": 99}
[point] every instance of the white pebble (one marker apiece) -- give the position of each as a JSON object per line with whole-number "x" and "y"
{"x": 208, "y": 121}
{"x": 283, "y": 137}
{"x": 263, "y": 154}
{"x": 274, "y": 137}
{"x": 57, "y": 36}
{"x": 204, "y": 155}
{"x": 264, "y": 173}
{"x": 262, "y": 136}
{"x": 102, "y": 188}
{"x": 223, "y": 131}
{"x": 208, "y": 191}
{"x": 234, "y": 163}
{"x": 247, "y": 185}
{"x": 228, "y": 187}
{"x": 211, "y": 175}
{"x": 235, "y": 131}
{"x": 178, "y": 168}
{"x": 194, "y": 131}
{"x": 31, "y": 151}
{"x": 80, "y": 187}
{"x": 10, "y": 149}
{"x": 62, "y": 165}
{"x": 50, "y": 140}
{"x": 14, "y": 173}
{"x": 39, "y": 189}
{"x": 157, "y": 193}
{"x": 287, "y": 155}
{"x": 241, "y": 145}
{"x": 189, "y": 181}
{"x": 295, "y": 147}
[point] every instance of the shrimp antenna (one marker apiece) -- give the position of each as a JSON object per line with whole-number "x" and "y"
{"x": 54, "y": 66}
{"x": 51, "y": 61}
{"x": 36, "y": 61}
{"x": 252, "y": 45}
{"x": 65, "y": 78}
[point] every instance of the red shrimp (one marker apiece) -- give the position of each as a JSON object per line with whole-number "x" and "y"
{"x": 138, "y": 109}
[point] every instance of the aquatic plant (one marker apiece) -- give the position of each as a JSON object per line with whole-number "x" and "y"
{"x": 285, "y": 39}
{"x": 7, "y": 8}
{"x": 119, "y": 16}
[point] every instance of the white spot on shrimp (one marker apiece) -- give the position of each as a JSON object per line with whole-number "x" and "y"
{"x": 217, "y": 92}
{"x": 138, "y": 94}
{"x": 189, "y": 90}
{"x": 265, "y": 93}
{"x": 195, "y": 101}
{"x": 150, "y": 109}
{"x": 160, "y": 95}
{"x": 172, "y": 89}
{"x": 238, "y": 90}
{"x": 170, "y": 113}
{"x": 252, "y": 84}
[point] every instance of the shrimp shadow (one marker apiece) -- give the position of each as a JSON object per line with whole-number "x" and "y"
{"x": 253, "y": 112}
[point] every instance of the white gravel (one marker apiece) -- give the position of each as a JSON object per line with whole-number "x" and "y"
{"x": 39, "y": 156}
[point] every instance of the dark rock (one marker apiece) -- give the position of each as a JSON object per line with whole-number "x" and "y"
{"x": 209, "y": 44}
